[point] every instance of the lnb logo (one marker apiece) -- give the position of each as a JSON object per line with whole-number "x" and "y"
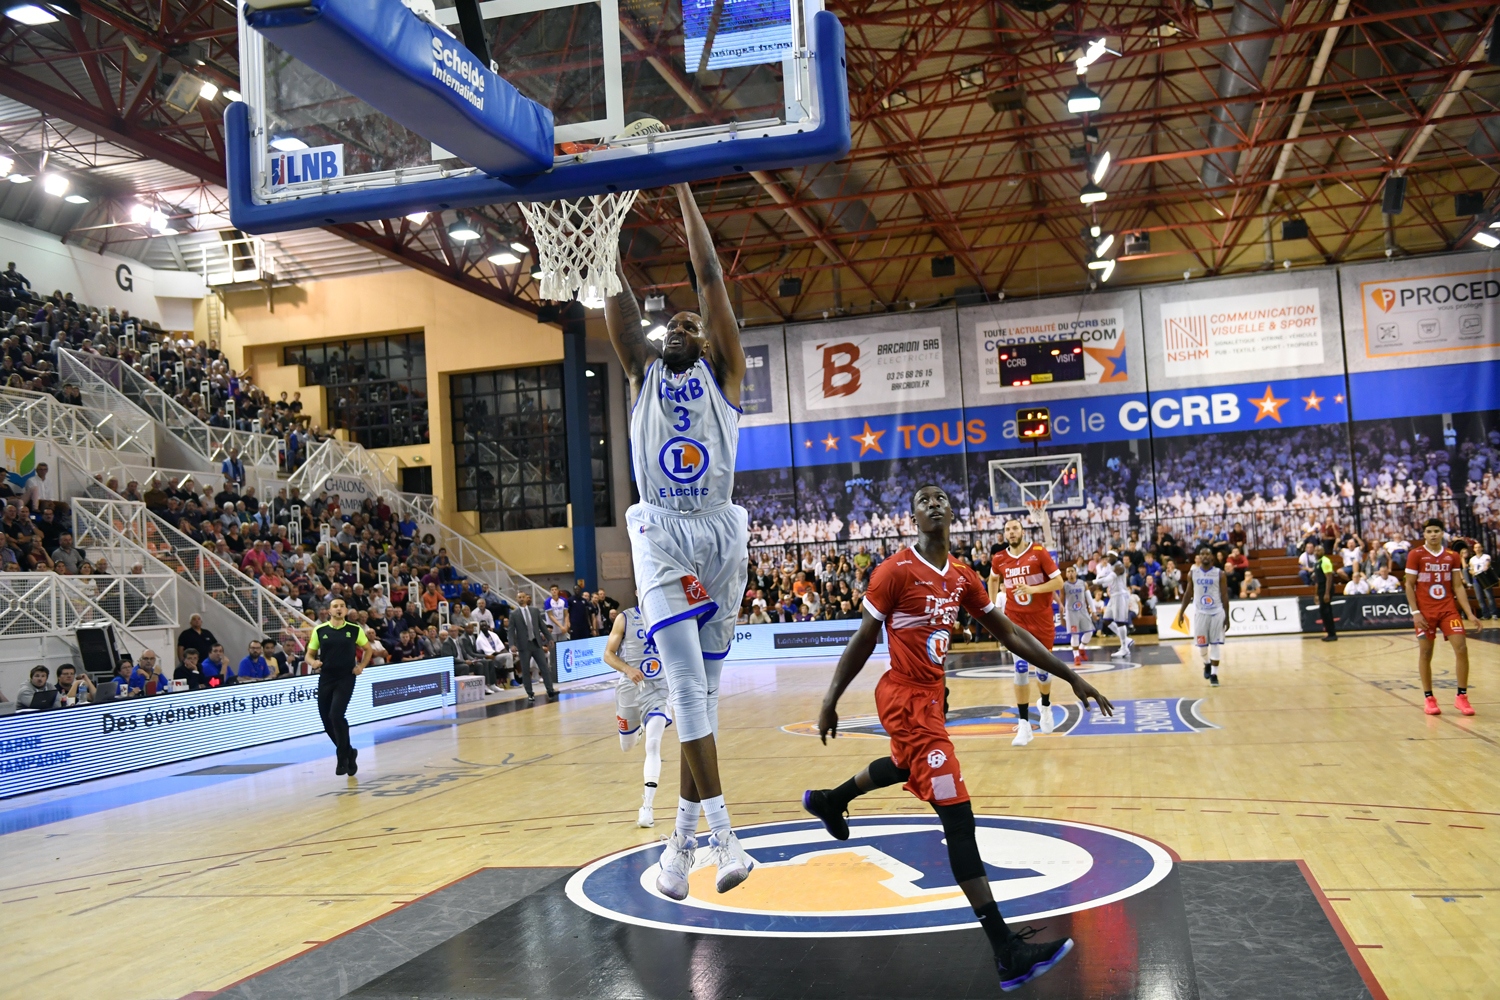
{"x": 1384, "y": 298}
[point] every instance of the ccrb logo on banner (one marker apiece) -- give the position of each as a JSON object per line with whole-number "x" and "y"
{"x": 1102, "y": 333}
{"x": 890, "y": 877}
{"x": 1240, "y": 334}
{"x": 1441, "y": 312}
{"x": 873, "y": 369}
{"x": 319, "y": 163}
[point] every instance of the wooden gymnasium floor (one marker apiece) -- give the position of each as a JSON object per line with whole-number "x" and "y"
{"x": 165, "y": 885}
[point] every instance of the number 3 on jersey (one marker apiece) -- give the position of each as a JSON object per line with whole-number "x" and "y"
{"x": 685, "y": 418}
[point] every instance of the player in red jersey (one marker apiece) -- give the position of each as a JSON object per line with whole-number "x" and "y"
{"x": 918, "y": 603}
{"x": 1434, "y": 579}
{"x": 1027, "y": 575}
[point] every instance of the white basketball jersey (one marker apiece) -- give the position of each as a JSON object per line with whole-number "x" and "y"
{"x": 1075, "y": 597}
{"x": 1119, "y": 581}
{"x": 636, "y": 649}
{"x": 1206, "y": 597}
{"x": 684, "y": 436}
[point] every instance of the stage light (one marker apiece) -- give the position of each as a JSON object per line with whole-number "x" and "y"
{"x": 1092, "y": 194}
{"x": 30, "y": 14}
{"x": 55, "y": 185}
{"x": 1081, "y": 99}
{"x": 1101, "y": 167}
{"x": 463, "y": 232}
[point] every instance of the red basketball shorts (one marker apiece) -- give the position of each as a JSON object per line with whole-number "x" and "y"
{"x": 913, "y": 718}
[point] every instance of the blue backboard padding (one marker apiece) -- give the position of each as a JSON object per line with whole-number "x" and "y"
{"x": 828, "y": 141}
{"x": 423, "y": 78}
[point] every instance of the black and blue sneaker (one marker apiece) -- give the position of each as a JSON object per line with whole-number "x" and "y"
{"x": 815, "y": 801}
{"x": 1023, "y": 961}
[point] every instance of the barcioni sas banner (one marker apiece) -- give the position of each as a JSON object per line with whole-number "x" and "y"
{"x": 1216, "y": 336}
{"x": 40, "y": 750}
{"x": 1102, "y": 333}
{"x": 1440, "y": 312}
{"x": 873, "y": 369}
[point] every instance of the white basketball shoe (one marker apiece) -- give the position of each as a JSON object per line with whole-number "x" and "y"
{"x": 645, "y": 818}
{"x": 1023, "y": 733}
{"x": 676, "y": 863}
{"x": 1048, "y": 722}
{"x": 733, "y": 863}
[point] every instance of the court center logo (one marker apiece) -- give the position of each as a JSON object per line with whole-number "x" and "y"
{"x": 683, "y": 460}
{"x": 890, "y": 877}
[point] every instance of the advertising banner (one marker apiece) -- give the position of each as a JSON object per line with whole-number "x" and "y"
{"x": 581, "y": 658}
{"x": 1216, "y": 336}
{"x": 41, "y": 750}
{"x": 1428, "y": 312}
{"x": 1262, "y": 616}
{"x": 1359, "y": 613}
{"x": 884, "y": 369}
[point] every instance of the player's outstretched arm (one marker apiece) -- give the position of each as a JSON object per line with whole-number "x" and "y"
{"x": 612, "y": 652}
{"x": 622, "y": 316}
{"x": 1025, "y": 646}
{"x": 724, "y": 351}
{"x": 856, "y": 654}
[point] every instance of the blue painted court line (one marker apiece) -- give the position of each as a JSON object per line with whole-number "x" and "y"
{"x": 56, "y": 805}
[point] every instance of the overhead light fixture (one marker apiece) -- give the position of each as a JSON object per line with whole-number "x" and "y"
{"x": 645, "y": 321}
{"x": 504, "y": 259}
{"x": 660, "y": 333}
{"x": 1104, "y": 245}
{"x": 417, "y": 217}
{"x": 6, "y": 165}
{"x": 287, "y": 144}
{"x": 463, "y": 232}
{"x": 1101, "y": 167}
{"x": 30, "y": 14}
{"x": 593, "y": 302}
{"x": 1104, "y": 275}
{"x": 1091, "y": 134}
{"x": 233, "y": 95}
{"x": 969, "y": 79}
{"x": 1099, "y": 265}
{"x": 1090, "y": 56}
{"x": 520, "y": 247}
{"x": 1092, "y": 194}
{"x": 18, "y": 179}
{"x": 1082, "y": 100}
{"x": 1484, "y": 239}
{"x": 895, "y": 99}
{"x": 168, "y": 231}
{"x": 209, "y": 90}
{"x": 140, "y": 214}
{"x": 160, "y": 222}
{"x": 537, "y": 274}
{"x": 1094, "y": 231}
{"x": 136, "y": 52}
{"x": 1495, "y": 224}
{"x": 76, "y": 199}
{"x": 656, "y": 303}
{"x": 55, "y": 185}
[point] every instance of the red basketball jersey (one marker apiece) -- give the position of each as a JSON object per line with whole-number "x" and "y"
{"x": 1434, "y": 583}
{"x": 1033, "y": 567}
{"x": 919, "y": 605}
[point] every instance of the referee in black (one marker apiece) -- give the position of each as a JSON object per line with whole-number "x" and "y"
{"x": 345, "y": 652}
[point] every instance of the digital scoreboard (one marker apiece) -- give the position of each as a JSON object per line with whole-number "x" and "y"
{"x": 1039, "y": 364}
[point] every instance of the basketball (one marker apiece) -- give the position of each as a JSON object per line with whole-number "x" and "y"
{"x": 643, "y": 126}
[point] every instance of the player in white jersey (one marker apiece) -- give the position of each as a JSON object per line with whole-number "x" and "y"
{"x": 1208, "y": 592}
{"x": 642, "y": 699}
{"x": 689, "y": 543}
{"x": 1115, "y": 579}
{"x": 1075, "y": 602}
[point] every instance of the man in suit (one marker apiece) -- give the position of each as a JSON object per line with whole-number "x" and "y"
{"x": 528, "y": 633}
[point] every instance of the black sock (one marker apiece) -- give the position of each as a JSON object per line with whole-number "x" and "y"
{"x": 993, "y": 924}
{"x": 1023, "y": 713}
{"x": 1046, "y": 700}
{"x": 1426, "y": 694}
{"x": 844, "y": 794}
{"x": 1463, "y": 691}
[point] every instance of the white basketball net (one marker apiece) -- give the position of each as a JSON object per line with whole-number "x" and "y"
{"x": 578, "y": 245}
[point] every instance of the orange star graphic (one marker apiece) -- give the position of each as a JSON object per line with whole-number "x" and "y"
{"x": 1113, "y": 362}
{"x": 807, "y": 444}
{"x": 1339, "y": 398}
{"x": 1269, "y": 406}
{"x": 869, "y": 440}
{"x": 830, "y": 442}
{"x": 1314, "y": 401}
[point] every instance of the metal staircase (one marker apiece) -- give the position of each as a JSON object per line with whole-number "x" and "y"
{"x": 106, "y": 383}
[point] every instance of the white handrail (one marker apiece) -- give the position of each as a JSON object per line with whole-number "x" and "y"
{"x": 46, "y": 604}
{"x": 110, "y": 377}
{"x": 37, "y": 414}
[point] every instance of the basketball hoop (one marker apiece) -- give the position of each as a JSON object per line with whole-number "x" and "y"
{"x": 1038, "y": 508}
{"x": 578, "y": 245}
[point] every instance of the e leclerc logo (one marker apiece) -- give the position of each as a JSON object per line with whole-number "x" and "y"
{"x": 890, "y": 877}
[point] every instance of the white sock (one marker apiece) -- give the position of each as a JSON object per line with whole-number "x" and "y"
{"x": 1119, "y": 631}
{"x": 687, "y": 817}
{"x": 717, "y": 814}
{"x": 1073, "y": 640}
